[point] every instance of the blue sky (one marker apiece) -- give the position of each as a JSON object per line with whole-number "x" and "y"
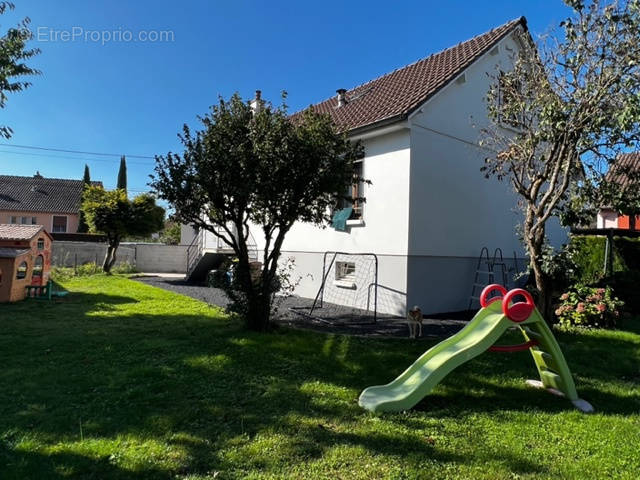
{"x": 127, "y": 97}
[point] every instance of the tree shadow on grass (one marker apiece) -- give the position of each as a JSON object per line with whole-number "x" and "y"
{"x": 206, "y": 387}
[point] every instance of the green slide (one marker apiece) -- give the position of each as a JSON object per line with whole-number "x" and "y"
{"x": 478, "y": 336}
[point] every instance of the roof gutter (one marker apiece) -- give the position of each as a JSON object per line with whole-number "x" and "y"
{"x": 382, "y": 127}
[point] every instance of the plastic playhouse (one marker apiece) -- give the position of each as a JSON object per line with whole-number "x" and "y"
{"x": 497, "y": 314}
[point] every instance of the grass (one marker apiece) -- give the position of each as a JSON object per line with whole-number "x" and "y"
{"x": 122, "y": 380}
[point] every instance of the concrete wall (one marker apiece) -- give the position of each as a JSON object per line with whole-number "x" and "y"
{"x": 159, "y": 258}
{"x": 45, "y": 219}
{"x": 392, "y": 276}
{"x": 153, "y": 258}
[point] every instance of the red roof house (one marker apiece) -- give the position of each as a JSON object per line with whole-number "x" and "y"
{"x": 25, "y": 259}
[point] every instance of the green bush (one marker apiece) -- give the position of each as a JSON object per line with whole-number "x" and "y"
{"x": 588, "y": 257}
{"x": 584, "y": 306}
{"x": 86, "y": 269}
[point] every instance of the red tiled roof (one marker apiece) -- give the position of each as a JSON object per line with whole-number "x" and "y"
{"x": 397, "y": 94}
{"x": 626, "y": 163}
{"x": 18, "y": 232}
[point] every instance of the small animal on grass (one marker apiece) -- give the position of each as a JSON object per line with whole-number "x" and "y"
{"x": 414, "y": 320}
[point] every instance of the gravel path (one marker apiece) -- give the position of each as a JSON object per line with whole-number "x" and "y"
{"x": 293, "y": 312}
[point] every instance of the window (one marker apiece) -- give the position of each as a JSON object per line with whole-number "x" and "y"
{"x": 27, "y": 220}
{"x": 22, "y": 271}
{"x": 0, "y": 276}
{"x": 59, "y": 224}
{"x": 354, "y": 193}
{"x": 37, "y": 266}
{"x": 345, "y": 275}
{"x": 41, "y": 244}
{"x": 14, "y": 220}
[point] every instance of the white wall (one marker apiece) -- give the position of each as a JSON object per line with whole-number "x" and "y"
{"x": 454, "y": 209}
{"x": 385, "y": 229}
{"x": 607, "y": 219}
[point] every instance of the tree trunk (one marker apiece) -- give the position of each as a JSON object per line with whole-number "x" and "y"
{"x": 110, "y": 257}
{"x": 543, "y": 284}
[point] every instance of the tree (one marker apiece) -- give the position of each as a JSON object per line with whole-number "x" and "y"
{"x": 13, "y": 55}
{"x": 122, "y": 175}
{"x": 562, "y": 115}
{"x": 83, "y": 227}
{"x": 170, "y": 235}
{"x": 114, "y": 215}
{"x": 265, "y": 168}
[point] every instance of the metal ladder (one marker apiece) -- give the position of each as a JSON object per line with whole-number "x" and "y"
{"x": 487, "y": 267}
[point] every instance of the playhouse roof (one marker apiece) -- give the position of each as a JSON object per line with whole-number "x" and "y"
{"x": 8, "y": 252}
{"x": 40, "y": 194}
{"x": 19, "y": 232}
{"x": 395, "y": 95}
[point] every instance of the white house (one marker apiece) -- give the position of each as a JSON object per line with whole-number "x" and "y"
{"x": 429, "y": 210}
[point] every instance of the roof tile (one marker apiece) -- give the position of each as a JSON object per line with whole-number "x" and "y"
{"x": 398, "y": 93}
{"x": 40, "y": 194}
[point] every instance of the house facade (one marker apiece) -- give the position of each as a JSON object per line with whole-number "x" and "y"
{"x": 429, "y": 209}
{"x": 608, "y": 217}
{"x": 25, "y": 259}
{"x": 51, "y": 202}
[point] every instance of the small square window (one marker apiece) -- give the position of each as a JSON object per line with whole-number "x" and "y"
{"x": 345, "y": 276}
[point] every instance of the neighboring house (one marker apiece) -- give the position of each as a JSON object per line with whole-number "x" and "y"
{"x": 608, "y": 217}
{"x": 429, "y": 209}
{"x": 25, "y": 259}
{"x": 51, "y": 202}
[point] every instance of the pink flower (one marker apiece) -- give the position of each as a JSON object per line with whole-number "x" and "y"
{"x": 580, "y": 307}
{"x": 601, "y": 307}
{"x": 559, "y": 312}
{"x": 600, "y": 291}
{"x": 564, "y": 296}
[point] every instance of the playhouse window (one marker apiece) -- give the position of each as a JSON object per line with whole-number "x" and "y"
{"x": 41, "y": 244}
{"x": 37, "y": 266}
{"x": 22, "y": 271}
{"x": 59, "y": 224}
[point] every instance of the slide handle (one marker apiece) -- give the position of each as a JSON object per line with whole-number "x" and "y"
{"x": 519, "y": 311}
{"x": 485, "y": 301}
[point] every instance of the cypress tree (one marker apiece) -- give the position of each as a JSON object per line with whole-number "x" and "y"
{"x": 122, "y": 175}
{"x": 86, "y": 181}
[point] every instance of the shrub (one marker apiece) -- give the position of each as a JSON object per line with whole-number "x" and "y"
{"x": 124, "y": 268}
{"x": 584, "y": 306}
{"x": 86, "y": 269}
{"x": 625, "y": 284}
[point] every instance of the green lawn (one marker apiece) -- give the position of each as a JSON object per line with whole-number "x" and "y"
{"x": 122, "y": 380}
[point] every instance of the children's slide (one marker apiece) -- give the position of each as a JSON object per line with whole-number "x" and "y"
{"x": 479, "y": 335}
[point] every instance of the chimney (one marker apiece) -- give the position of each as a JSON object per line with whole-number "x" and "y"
{"x": 257, "y": 103}
{"x": 342, "y": 97}
{"x": 37, "y": 175}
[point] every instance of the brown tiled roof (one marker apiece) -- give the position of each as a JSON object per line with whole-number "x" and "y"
{"x": 626, "y": 163}
{"x": 395, "y": 95}
{"x": 40, "y": 194}
{"x": 18, "y": 232}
